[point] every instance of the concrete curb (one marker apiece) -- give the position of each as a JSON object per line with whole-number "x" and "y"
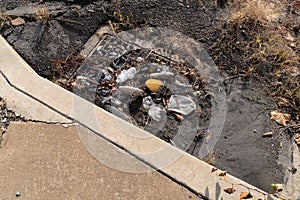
{"x": 186, "y": 169}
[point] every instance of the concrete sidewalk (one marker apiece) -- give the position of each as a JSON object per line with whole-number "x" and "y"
{"x": 43, "y": 161}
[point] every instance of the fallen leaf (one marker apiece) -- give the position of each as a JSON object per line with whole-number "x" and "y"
{"x": 213, "y": 170}
{"x": 17, "y": 22}
{"x": 229, "y": 190}
{"x": 222, "y": 173}
{"x": 277, "y": 187}
{"x": 268, "y": 134}
{"x": 283, "y": 102}
{"x": 245, "y": 195}
{"x": 297, "y": 139}
{"x": 280, "y": 118}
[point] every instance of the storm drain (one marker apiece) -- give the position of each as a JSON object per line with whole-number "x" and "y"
{"x": 153, "y": 88}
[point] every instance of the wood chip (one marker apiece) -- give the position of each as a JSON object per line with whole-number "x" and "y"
{"x": 213, "y": 170}
{"x": 245, "y": 195}
{"x": 229, "y": 190}
{"x": 268, "y": 134}
{"x": 222, "y": 173}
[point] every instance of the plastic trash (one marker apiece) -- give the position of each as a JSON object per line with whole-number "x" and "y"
{"x": 147, "y": 102}
{"x": 155, "y": 112}
{"x": 162, "y": 75}
{"x": 181, "y": 104}
{"x": 126, "y": 74}
{"x": 129, "y": 89}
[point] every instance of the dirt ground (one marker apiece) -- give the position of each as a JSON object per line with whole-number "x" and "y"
{"x": 258, "y": 76}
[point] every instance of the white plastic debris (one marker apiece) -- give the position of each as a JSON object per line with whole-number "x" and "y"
{"x": 126, "y": 74}
{"x": 155, "y": 112}
{"x": 147, "y": 102}
{"x": 162, "y": 75}
{"x": 181, "y": 104}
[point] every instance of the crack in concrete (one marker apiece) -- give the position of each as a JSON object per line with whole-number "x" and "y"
{"x": 105, "y": 138}
{"x": 36, "y": 99}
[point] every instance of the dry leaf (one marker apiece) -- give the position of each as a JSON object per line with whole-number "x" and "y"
{"x": 268, "y": 134}
{"x": 283, "y": 102}
{"x": 213, "y": 170}
{"x": 277, "y": 187}
{"x": 297, "y": 139}
{"x": 245, "y": 195}
{"x": 222, "y": 173}
{"x": 17, "y": 22}
{"x": 229, "y": 190}
{"x": 280, "y": 118}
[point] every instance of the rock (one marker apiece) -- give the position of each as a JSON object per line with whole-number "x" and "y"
{"x": 181, "y": 104}
{"x": 17, "y": 22}
{"x": 153, "y": 84}
{"x": 18, "y": 194}
{"x": 126, "y": 74}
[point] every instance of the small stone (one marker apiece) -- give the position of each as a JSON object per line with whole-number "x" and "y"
{"x": 18, "y": 194}
{"x": 179, "y": 117}
{"x": 17, "y": 22}
{"x": 153, "y": 84}
{"x": 139, "y": 59}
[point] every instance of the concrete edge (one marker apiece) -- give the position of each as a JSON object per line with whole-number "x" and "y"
{"x": 195, "y": 174}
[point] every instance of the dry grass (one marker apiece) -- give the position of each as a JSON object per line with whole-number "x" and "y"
{"x": 258, "y": 40}
{"x": 4, "y": 20}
